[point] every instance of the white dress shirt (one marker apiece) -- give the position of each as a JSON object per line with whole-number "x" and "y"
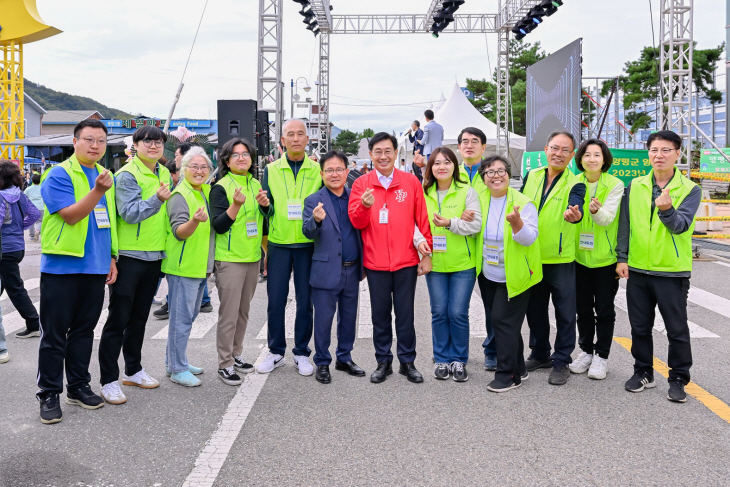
{"x": 385, "y": 180}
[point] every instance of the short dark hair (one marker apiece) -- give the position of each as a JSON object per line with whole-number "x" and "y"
{"x": 417, "y": 123}
{"x": 148, "y": 132}
{"x": 10, "y": 175}
{"x": 562, "y": 132}
{"x": 489, "y": 162}
{"x": 428, "y": 114}
{"x": 381, "y": 136}
{"x": 90, "y": 123}
{"x": 226, "y": 152}
{"x": 36, "y": 178}
{"x": 172, "y": 167}
{"x": 605, "y": 151}
{"x": 333, "y": 154}
{"x": 428, "y": 178}
{"x": 665, "y": 135}
{"x": 184, "y": 147}
{"x": 473, "y": 131}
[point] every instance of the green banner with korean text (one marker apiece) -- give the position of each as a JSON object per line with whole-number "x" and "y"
{"x": 627, "y": 163}
{"x": 712, "y": 161}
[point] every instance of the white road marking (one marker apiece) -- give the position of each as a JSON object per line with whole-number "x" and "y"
{"x": 13, "y": 322}
{"x": 202, "y": 324}
{"x": 210, "y": 461}
{"x": 722, "y": 263}
{"x": 290, "y": 314}
{"x": 695, "y": 330}
{"x": 365, "y": 313}
{"x": 477, "y": 318}
{"x": 710, "y": 301}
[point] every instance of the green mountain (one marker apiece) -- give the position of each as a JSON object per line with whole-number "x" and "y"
{"x": 55, "y": 100}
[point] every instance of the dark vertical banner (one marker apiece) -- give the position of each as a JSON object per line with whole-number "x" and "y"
{"x": 553, "y": 95}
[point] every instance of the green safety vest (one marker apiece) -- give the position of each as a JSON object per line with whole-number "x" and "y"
{"x": 60, "y": 238}
{"x": 651, "y": 246}
{"x": 285, "y": 189}
{"x": 235, "y": 245}
{"x": 604, "y": 238}
{"x": 460, "y": 252}
{"x": 189, "y": 258}
{"x": 557, "y": 237}
{"x": 477, "y": 182}
{"x": 522, "y": 265}
{"x": 148, "y": 235}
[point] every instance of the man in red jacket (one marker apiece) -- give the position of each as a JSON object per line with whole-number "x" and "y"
{"x": 388, "y": 207}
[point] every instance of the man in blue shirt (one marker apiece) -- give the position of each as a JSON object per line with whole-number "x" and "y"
{"x": 336, "y": 267}
{"x": 80, "y": 214}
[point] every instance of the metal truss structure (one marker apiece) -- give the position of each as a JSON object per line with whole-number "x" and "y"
{"x": 676, "y": 70}
{"x": 12, "y": 125}
{"x": 410, "y": 24}
{"x": 269, "y": 92}
{"x": 321, "y": 144}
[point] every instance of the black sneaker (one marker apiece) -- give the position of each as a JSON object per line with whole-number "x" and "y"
{"x": 533, "y": 364}
{"x": 525, "y": 376}
{"x": 229, "y": 376}
{"x": 458, "y": 372}
{"x": 497, "y": 386}
{"x": 163, "y": 313}
{"x": 676, "y": 391}
{"x": 559, "y": 376}
{"x": 26, "y": 333}
{"x": 50, "y": 409}
{"x": 241, "y": 366}
{"x": 639, "y": 382}
{"x": 441, "y": 371}
{"x": 207, "y": 307}
{"x": 84, "y": 397}
{"x": 262, "y": 277}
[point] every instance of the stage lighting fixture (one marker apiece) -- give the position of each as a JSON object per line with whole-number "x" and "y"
{"x": 551, "y": 6}
{"x": 308, "y": 14}
{"x": 451, "y": 6}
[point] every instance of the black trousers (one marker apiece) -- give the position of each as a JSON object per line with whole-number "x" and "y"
{"x": 595, "y": 289}
{"x": 643, "y": 294}
{"x": 70, "y": 306}
{"x": 130, "y": 300}
{"x": 388, "y": 290}
{"x": 13, "y": 284}
{"x": 507, "y": 317}
{"x": 558, "y": 281}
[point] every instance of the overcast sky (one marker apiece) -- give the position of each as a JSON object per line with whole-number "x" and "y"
{"x": 130, "y": 55}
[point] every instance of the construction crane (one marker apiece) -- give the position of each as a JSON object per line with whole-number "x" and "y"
{"x": 20, "y": 24}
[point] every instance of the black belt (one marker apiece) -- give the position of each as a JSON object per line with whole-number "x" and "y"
{"x": 348, "y": 264}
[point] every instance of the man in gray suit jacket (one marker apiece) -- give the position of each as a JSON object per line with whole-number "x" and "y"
{"x": 433, "y": 135}
{"x": 336, "y": 267}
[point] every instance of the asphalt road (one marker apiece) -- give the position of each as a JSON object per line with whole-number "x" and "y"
{"x": 286, "y": 429}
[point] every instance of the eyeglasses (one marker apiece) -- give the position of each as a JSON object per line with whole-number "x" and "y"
{"x": 153, "y": 143}
{"x": 498, "y": 172}
{"x": 92, "y": 141}
{"x": 242, "y": 155}
{"x": 379, "y": 153}
{"x": 665, "y": 151}
{"x": 470, "y": 142}
{"x": 338, "y": 170}
{"x": 565, "y": 152}
{"x": 199, "y": 168}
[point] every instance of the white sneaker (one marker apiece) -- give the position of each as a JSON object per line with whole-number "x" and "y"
{"x": 582, "y": 363}
{"x": 4, "y": 357}
{"x": 598, "y": 369}
{"x": 112, "y": 393}
{"x": 303, "y": 364}
{"x": 140, "y": 379}
{"x": 272, "y": 361}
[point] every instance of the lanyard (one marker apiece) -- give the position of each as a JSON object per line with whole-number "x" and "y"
{"x": 499, "y": 221}
{"x": 295, "y": 183}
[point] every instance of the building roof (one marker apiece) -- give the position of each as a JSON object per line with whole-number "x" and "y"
{"x": 35, "y": 104}
{"x": 68, "y": 116}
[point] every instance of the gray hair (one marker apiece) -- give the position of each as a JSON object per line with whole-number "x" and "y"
{"x": 565, "y": 133}
{"x": 195, "y": 151}
{"x": 292, "y": 120}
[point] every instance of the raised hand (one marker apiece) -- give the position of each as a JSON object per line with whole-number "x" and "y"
{"x": 163, "y": 192}
{"x": 319, "y": 214}
{"x": 514, "y": 219}
{"x": 572, "y": 214}
{"x": 664, "y": 201}
{"x": 104, "y": 181}
{"x": 261, "y": 198}
{"x": 368, "y": 199}
{"x": 238, "y": 197}
{"x": 440, "y": 221}
{"x": 594, "y": 206}
{"x": 200, "y": 215}
{"x": 418, "y": 159}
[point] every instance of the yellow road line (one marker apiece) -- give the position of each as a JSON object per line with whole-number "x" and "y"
{"x": 711, "y": 402}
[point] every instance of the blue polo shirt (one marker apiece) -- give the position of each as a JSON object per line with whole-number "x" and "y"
{"x": 349, "y": 237}
{"x": 57, "y": 191}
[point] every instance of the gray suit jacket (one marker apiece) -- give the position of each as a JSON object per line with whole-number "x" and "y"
{"x": 433, "y": 137}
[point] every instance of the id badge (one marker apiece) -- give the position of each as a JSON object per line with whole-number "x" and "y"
{"x": 586, "y": 241}
{"x": 491, "y": 253}
{"x": 294, "y": 210}
{"x": 439, "y": 243}
{"x": 383, "y": 215}
{"x": 102, "y": 217}
{"x": 252, "y": 230}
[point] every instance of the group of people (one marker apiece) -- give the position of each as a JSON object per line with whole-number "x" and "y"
{"x": 563, "y": 236}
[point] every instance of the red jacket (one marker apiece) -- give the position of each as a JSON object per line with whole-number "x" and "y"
{"x": 389, "y": 247}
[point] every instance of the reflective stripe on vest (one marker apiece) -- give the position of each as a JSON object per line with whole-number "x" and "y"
{"x": 234, "y": 245}
{"x": 460, "y": 252}
{"x": 189, "y": 258}
{"x": 604, "y": 238}
{"x": 651, "y": 246}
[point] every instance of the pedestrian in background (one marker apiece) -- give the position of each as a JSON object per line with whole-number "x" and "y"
{"x": 33, "y": 192}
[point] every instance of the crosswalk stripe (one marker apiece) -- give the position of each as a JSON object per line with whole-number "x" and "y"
{"x": 709, "y": 301}
{"x": 722, "y": 263}
{"x": 203, "y": 322}
{"x": 477, "y": 318}
{"x": 13, "y": 322}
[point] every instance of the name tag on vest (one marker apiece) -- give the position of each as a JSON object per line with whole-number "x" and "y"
{"x": 586, "y": 241}
{"x": 294, "y": 210}
{"x": 439, "y": 243}
{"x": 491, "y": 254}
{"x": 252, "y": 230}
{"x": 102, "y": 217}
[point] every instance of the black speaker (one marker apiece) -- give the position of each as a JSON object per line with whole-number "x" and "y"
{"x": 262, "y": 133}
{"x": 236, "y": 118}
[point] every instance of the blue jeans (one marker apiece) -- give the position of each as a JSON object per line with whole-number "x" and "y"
{"x": 450, "y": 294}
{"x": 185, "y": 295}
{"x": 206, "y": 298}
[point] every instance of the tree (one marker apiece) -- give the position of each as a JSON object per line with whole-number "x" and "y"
{"x": 522, "y": 55}
{"x": 640, "y": 82}
{"x": 347, "y": 141}
{"x": 367, "y": 133}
